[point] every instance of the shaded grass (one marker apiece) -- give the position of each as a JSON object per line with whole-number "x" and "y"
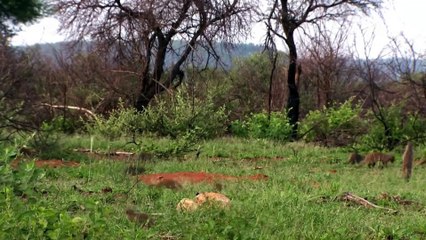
{"x": 299, "y": 201}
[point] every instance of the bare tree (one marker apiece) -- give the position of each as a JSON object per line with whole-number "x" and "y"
{"x": 327, "y": 64}
{"x": 408, "y": 69}
{"x": 372, "y": 71}
{"x": 143, "y": 33}
{"x": 285, "y": 17}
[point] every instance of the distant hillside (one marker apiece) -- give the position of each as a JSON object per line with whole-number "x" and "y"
{"x": 200, "y": 56}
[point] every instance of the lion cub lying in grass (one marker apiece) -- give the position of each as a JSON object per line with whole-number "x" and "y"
{"x": 210, "y": 198}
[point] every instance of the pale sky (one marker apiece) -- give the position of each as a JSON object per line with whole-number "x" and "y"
{"x": 407, "y": 16}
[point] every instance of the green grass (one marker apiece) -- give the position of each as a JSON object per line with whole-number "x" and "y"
{"x": 299, "y": 201}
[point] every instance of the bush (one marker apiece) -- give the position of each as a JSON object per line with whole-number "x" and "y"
{"x": 174, "y": 116}
{"x": 121, "y": 122}
{"x": 403, "y": 127}
{"x": 179, "y": 117}
{"x": 259, "y": 125}
{"x": 335, "y": 126}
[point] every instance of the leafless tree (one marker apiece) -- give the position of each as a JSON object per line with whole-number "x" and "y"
{"x": 327, "y": 64}
{"x": 285, "y": 17}
{"x": 408, "y": 69}
{"x": 17, "y": 91}
{"x": 372, "y": 70}
{"x": 143, "y": 33}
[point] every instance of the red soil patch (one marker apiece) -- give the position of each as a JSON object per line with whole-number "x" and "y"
{"x": 193, "y": 177}
{"x": 53, "y": 163}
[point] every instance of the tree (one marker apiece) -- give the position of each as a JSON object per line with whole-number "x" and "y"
{"x": 18, "y": 11}
{"x": 285, "y": 17}
{"x": 143, "y": 34}
{"x": 327, "y": 65}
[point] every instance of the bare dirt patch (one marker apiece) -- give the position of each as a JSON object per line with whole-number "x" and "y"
{"x": 51, "y": 163}
{"x": 54, "y": 163}
{"x": 181, "y": 178}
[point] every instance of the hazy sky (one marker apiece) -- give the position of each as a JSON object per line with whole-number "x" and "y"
{"x": 408, "y": 16}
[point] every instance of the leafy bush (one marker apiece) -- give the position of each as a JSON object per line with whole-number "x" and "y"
{"x": 336, "y": 126}
{"x": 175, "y": 115}
{"x": 259, "y": 125}
{"x": 120, "y": 122}
{"x": 402, "y": 127}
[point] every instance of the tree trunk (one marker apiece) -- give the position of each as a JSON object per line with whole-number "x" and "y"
{"x": 144, "y": 98}
{"x": 293, "y": 101}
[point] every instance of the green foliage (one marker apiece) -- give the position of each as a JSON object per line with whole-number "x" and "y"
{"x": 259, "y": 125}
{"x": 249, "y": 80}
{"x": 120, "y": 122}
{"x": 46, "y": 137}
{"x": 176, "y": 115}
{"x": 338, "y": 125}
{"x": 403, "y": 127}
{"x": 19, "y": 11}
{"x": 305, "y": 184}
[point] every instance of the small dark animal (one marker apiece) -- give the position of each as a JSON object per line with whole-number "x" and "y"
{"x": 143, "y": 219}
{"x": 169, "y": 183}
{"x": 355, "y": 158}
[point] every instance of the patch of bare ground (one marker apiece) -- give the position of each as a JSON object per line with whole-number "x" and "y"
{"x": 50, "y": 163}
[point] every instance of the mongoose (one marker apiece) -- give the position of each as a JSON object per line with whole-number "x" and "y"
{"x": 140, "y": 218}
{"x": 407, "y": 161}
{"x": 355, "y": 158}
{"x": 372, "y": 158}
{"x": 170, "y": 184}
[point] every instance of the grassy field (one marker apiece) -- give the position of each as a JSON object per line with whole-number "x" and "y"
{"x": 300, "y": 200}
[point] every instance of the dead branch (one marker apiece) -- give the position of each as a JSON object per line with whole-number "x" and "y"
{"x": 349, "y": 197}
{"x": 81, "y": 109}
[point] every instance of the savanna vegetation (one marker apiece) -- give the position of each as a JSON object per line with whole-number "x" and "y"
{"x": 82, "y": 126}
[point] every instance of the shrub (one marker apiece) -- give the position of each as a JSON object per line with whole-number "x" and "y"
{"x": 402, "y": 127}
{"x": 335, "y": 126}
{"x": 120, "y": 122}
{"x": 259, "y": 125}
{"x": 175, "y": 115}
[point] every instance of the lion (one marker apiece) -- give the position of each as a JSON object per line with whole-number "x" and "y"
{"x": 206, "y": 198}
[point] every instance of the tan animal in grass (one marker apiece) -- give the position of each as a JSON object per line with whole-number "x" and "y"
{"x": 187, "y": 205}
{"x": 206, "y": 198}
{"x": 212, "y": 198}
{"x": 355, "y": 158}
{"x": 372, "y": 158}
{"x": 407, "y": 161}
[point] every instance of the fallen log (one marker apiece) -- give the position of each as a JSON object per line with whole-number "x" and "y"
{"x": 349, "y": 197}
